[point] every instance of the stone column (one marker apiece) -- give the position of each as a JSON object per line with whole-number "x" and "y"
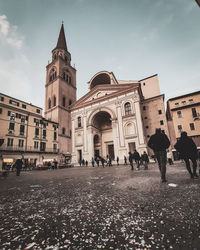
{"x": 84, "y": 132}
{"x": 115, "y": 137}
{"x": 120, "y": 126}
{"x": 90, "y": 143}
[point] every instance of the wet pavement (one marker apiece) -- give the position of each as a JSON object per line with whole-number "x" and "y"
{"x": 96, "y": 208}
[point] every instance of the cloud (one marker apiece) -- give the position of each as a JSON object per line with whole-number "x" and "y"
{"x": 8, "y": 33}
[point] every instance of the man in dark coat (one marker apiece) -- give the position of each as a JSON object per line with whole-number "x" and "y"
{"x": 159, "y": 142}
{"x": 145, "y": 160}
{"x": 136, "y": 157}
{"x": 188, "y": 151}
{"x": 130, "y": 158}
{"x": 18, "y": 165}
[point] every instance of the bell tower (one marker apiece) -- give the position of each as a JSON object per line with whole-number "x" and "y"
{"x": 60, "y": 92}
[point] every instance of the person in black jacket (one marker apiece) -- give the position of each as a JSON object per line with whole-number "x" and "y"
{"x": 18, "y": 165}
{"x": 159, "y": 142}
{"x": 136, "y": 157}
{"x": 130, "y": 158}
{"x": 188, "y": 151}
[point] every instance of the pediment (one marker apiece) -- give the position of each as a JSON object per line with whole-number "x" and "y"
{"x": 101, "y": 93}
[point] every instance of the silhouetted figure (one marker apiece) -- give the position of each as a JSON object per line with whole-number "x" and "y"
{"x": 18, "y": 165}
{"x": 145, "y": 160}
{"x": 93, "y": 162}
{"x": 86, "y": 163}
{"x": 159, "y": 142}
{"x": 83, "y": 162}
{"x": 188, "y": 151}
{"x": 109, "y": 161}
{"x": 125, "y": 160}
{"x": 130, "y": 158}
{"x": 102, "y": 161}
{"x": 136, "y": 157}
{"x": 117, "y": 161}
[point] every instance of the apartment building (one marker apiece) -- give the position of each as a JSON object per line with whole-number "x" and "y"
{"x": 25, "y": 132}
{"x": 183, "y": 114}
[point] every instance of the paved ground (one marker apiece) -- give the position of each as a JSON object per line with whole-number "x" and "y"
{"x": 95, "y": 208}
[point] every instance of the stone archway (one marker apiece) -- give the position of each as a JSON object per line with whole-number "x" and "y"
{"x": 103, "y": 138}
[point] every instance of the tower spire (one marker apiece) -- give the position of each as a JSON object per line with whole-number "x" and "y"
{"x": 61, "y": 44}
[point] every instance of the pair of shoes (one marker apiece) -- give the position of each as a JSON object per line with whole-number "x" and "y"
{"x": 164, "y": 180}
{"x": 195, "y": 176}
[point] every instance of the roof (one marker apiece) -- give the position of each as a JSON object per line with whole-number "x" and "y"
{"x": 186, "y": 95}
{"x": 61, "y": 44}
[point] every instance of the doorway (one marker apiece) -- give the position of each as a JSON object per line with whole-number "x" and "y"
{"x": 79, "y": 155}
{"x": 111, "y": 151}
{"x": 131, "y": 147}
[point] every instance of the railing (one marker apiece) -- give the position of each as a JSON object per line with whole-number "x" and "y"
{"x": 27, "y": 149}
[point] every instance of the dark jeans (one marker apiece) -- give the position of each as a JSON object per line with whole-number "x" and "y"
{"x": 187, "y": 163}
{"x": 161, "y": 157}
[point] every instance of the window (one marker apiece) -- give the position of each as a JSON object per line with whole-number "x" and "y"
{"x": 42, "y": 146}
{"x": 44, "y": 133}
{"x": 183, "y": 102}
{"x": 38, "y": 111}
{"x": 54, "y": 100}
{"x": 12, "y": 116}
{"x": 79, "y": 122}
{"x": 191, "y": 101}
{"x": 63, "y": 131}
{"x": 179, "y": 114}
{"x": 54, "y": 136}
{"x": 161, "y": 122}
{"x": 70, "y": 102}
{"x": 176, "y": 104}
{"x": 147, "y": 127}
{"x": 49, "y": 103}
{"x": 21, "y": 129}
{"x": 21, "y": 143}
{"x": 36, "y": 132}
{"x": 192, "y": 126}
{"x": 14, "y": 103}
{"x": 194, "y": 112}
{"x": 35, "y": 144}
{"x": 63, "y": 101}
{"x": 10, "y": 142}
{"x": 144, "y": 107}
{"x": 70, "y": 133}
{"x": 180, "y": 128}
{"x": 0, "y": 110}
{"x": 52, "y": 75}
{"x": 1, "y": 98}
{"x": 143, "y": 83}
{"x": 54, "y": 147}
{"x": 159, "y": 111}
{"x": 145, "y": 118}
{"x": 66, "y": 58}
{"x": 23, "y": 106}
{"x": 11, "y": 126}
{"x": 127, "y": 108}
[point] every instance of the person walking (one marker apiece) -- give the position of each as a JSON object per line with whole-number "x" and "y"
{"x": 93, "y": 162}
{"x": 117, "y": 161}
{"x": 131, "y": 160}
{"x": 159, "y": 142}
{"x": 145, "y": 160}
{"x": 18, "y": 165}
{"x": 125, "y": 160}
{"x": 86, "y": 163}
{"x": 102, "y": 161}
{"x": 188, "y": 151}
{"x": 136, "y": 157}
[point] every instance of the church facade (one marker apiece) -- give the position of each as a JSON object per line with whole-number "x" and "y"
{"x": 113, "y": 118}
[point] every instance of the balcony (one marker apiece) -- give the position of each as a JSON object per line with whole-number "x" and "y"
{"x": 30, "y": 149}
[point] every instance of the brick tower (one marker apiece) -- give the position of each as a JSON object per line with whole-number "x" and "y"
{"x": 60, "y": 92}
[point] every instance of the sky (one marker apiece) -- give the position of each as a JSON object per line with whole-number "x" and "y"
{"x": 132, "y": 38}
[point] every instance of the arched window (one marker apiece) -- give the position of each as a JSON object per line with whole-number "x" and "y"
{"x": 130, "y": 129}
{"x": 70, "y": 102}
{"x": 52, "y": 75}
{"x": 49, "y": 103}
{"x": 63, "y": 101}
{"x": 127, "y": 108}
{"x": 54, "y": 100}
{"x": 66, "y": 76}
{"x": 79, "y": 122}
{"x": 63, "y": 131}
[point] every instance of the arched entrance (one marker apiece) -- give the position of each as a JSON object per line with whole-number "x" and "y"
{"x": 103, "y": 137}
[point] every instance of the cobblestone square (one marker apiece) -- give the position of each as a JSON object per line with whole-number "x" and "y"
{"x": 96, "y": 208}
